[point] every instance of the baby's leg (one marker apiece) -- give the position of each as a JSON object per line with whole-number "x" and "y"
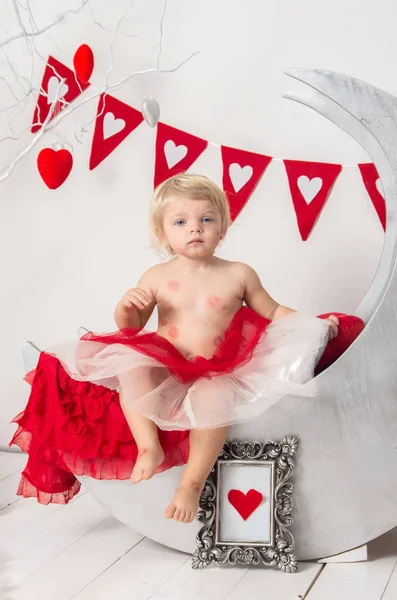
{"x": 144, "y": 431}
{"x": 205, "y": 445}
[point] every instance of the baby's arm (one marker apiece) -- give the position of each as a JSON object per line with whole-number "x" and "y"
{"x": 257, "y": 298}
{"x": 137, "y": 304}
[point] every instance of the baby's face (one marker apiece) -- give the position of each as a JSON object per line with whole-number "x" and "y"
{"x": 192, "y": 227}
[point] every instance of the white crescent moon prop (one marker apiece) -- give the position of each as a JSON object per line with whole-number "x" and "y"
{"x": 346, "y": 471}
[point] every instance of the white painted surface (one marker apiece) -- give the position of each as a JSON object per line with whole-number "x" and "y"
{"x": 72, "y": 253}
{"x": 364, "y": 581}
{"x": 391, "y": 590}
{"x": 356, "y": 555}
{"x": 71, "y": 552}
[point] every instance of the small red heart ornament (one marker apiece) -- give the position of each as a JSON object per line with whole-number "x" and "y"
{"x": 83, "y": 62}
{"x": 54, "y": 166}
{"x": 245, "y": 504}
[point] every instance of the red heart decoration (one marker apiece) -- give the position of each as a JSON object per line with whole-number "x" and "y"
{"x": 245, "y": 504}
{"x": 83, "y": 62}
{"x": 54, "y": 166}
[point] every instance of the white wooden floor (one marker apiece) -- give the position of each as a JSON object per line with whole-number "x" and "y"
{"x": 78, "y": 551}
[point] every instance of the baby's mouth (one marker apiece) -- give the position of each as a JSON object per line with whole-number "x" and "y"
{"x": 196, "y": 241}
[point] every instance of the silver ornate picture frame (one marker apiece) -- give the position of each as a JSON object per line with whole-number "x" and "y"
{"x": 270, "y": 542}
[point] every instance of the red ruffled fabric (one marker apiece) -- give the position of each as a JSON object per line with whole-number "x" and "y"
{"x": 73, "y": 428}
{"x": 78, "y": 428}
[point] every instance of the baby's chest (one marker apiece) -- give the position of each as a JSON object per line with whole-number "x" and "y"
{"x": 198, "y": 296}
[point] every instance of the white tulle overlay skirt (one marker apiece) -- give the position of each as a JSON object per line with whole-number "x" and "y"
{"x": 255, "y": 366}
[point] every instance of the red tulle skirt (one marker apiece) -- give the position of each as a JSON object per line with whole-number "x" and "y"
{"x": 72, "y": 427}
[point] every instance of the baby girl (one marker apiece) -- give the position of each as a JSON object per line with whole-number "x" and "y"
{"x": 209, "y": 352}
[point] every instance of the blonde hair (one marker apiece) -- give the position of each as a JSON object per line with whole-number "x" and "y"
{"x": 191, "y": 187}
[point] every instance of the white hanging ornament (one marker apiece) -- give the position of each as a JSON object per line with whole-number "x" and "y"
{"x": 57, "y": 145}
{"x": 151, "y": 111}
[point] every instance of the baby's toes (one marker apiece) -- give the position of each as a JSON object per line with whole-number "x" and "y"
{"x": 182, "y": 516}
{"x": 177, "y": 514}
{"x": 136, "y": 476}
{"x": 170, "y": 511}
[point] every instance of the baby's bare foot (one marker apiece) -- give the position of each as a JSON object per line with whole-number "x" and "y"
{"x": 147, "y": 462}
{"x": 184, "y": 505}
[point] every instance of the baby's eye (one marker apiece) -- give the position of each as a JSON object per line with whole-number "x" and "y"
{"x": 180, "y": 222}
{"x": 207, "y": 220}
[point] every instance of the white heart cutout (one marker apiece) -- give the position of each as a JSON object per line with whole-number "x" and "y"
{"x": 174, "y": 153}
{"x": 309, "y": 188}
{"x": 239, "y": 175}
{"x": 52, "y": 88}
{"x": 111, "y": 125}
{"x": 379, "y": 187}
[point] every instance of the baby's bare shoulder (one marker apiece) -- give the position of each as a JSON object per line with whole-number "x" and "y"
{"x": 240, "y": 269}
{"x": 151, "y": 277}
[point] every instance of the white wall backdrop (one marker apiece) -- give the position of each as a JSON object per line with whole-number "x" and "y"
{"x": 66, "y": 256}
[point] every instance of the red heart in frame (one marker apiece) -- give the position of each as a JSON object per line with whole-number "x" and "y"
{"x": 54, "y": 166}
{"x": 245, "y": 504}
{"x": 83, "y": 62}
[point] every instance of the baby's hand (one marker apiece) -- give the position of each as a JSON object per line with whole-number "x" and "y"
{"x": 135, "y": 298}
{"x": 333, "y": 326}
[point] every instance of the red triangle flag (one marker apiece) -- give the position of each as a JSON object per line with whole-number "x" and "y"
{"x": 310, "y": 184}
{"x": 114, "y": 122}
{"x": 242, "y": 171}
{"x": 176, "y": 151}
{"x": 70, "y": 90}
{"x": 374, "y": 188}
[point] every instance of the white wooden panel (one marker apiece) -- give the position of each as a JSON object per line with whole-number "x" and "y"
{"x": 8, "y": 489}
{"x": 391, "y": 589}
{"x": 21, "y": 514}
{"x": 356, "y": 555}
{"x": 273, "y": 584}
{"x": 359, "y": 581}
{"x": 79, "y": 564}
{"x": 30, "y": 548}
{"x": 11, "y": 462}
{"x": 189, "y": 584}
{"x": 138, "y": 574}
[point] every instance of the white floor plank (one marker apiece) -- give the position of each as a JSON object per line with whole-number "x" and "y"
{"x": 391, "y": 589}
{"x": 273, "y": 584}
{"x": 360, "y": 581}
{"x": 138, "y": 574}
{"x": 11, "y": 462}
{"x": 211, "y": 584}
{"x": 8, "y": 489}
{"x": 29, "y": 549}
{"x": 21, "y": 514}
{"x": 79, "y": 564}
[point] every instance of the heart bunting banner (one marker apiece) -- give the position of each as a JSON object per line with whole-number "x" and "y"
{"x": 115, "y": 121}
{"x": 373, "y": 185}
{"x": 70, "y": 89}
{"x": 176, "y": 150}
{"x": 310, "y": 184}
{"x": 242, "y": 171}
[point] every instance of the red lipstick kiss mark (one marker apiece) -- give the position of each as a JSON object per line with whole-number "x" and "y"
{"x": 174, "y": 286}
{"x": 213, "y": 301}
{"x": 173, "y": 332}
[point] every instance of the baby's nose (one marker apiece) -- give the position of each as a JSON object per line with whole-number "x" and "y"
{"x": 197, "y": 227}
